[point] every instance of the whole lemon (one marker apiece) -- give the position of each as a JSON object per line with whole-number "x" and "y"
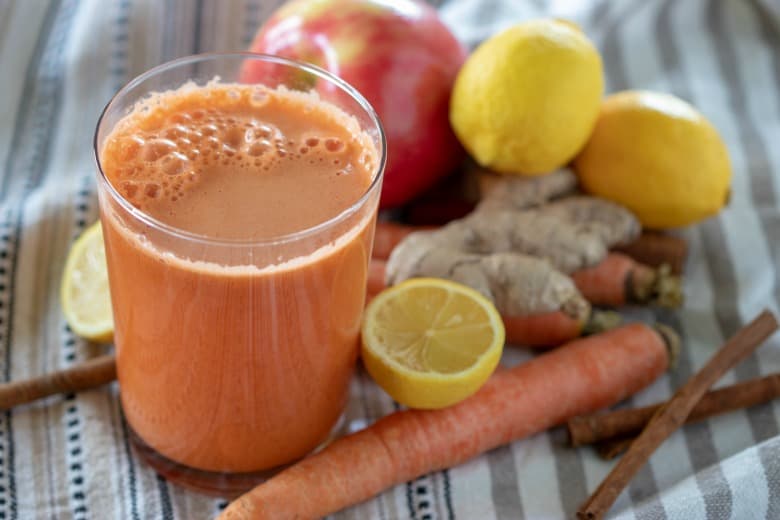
{"x": 526, "y": 99}
{"x": 659, "y": 157}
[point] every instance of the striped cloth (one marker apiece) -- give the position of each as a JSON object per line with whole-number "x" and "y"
{"x": 69, "y": 457}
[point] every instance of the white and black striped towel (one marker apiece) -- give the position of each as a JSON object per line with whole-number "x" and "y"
{"x": 69, "y": 457}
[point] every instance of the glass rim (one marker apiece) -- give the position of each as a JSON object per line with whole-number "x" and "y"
{"x": 277, "y": 239}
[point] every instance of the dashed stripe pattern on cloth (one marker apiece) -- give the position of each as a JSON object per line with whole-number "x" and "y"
{"x": 25, "y": 168}
{"x": 74, "y": 449}
{"x": 8, "y": 505}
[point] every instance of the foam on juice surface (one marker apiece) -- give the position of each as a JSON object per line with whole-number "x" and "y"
{"x": 236, "y": 161}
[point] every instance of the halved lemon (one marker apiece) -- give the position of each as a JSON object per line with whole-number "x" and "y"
{"x": 84, "y": 294}
{"x": 431, "y": 343}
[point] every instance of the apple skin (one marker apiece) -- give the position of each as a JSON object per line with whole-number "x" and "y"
{"x": 401, "y": 57}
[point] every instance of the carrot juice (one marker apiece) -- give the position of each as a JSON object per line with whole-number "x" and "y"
{"x": 238, "y": 222}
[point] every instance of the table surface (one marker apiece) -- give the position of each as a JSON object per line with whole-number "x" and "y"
{"x": 69, "y": 457}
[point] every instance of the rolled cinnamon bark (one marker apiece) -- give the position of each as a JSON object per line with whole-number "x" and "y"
{"x": 628, "y": 422}
{"x": 94, "y": 372}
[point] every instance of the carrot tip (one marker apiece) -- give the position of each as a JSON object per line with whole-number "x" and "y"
{"x": 657, "y": 287}
{"x": 601, "y": 321}
{"x": 668, "y": 288}
{"x": 672, "y": 341}
{"x": 577, "y": 308}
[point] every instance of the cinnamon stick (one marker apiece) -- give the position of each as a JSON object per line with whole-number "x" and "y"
{"x": 674, "y": 413}
{"x": 95, "y": 372}
{"x": 611, "y": 448}
{"x": 657, "y": 249}
{"x": 590, "y": 429}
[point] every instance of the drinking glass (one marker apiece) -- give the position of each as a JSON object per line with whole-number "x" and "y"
{"x": 234, "y": 357}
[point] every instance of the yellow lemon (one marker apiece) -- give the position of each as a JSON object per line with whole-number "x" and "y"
{"x": 526, "y": 100}
{"x": 659, "y": 157}
{"x": 84, "y": 294}
{"x": 431, "y": 343}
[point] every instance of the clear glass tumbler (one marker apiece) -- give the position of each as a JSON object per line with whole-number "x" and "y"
{"x": 234, "y": 356}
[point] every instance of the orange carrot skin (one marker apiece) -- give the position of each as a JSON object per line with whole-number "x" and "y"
{"x": 606, "y": 283}
{"x": 542, "y": 330}
{"x": 586, "y": 375}
{"x": 376, "y": 277}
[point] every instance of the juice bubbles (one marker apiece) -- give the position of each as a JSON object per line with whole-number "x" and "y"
{"x": 238, "y": 222}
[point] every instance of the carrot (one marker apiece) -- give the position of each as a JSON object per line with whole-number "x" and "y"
{"x": 390, "y": 234}
{"x": 619, "y": 279}
{"x": 551, "y": 329}
{"x": 542, "y": 330}
{"x": 586, "y": 375}
{"x": 547, "y": 329}
{"x": 376, "y": 277}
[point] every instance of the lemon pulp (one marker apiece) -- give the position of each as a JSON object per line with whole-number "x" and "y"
{"x": 430, "y": 342}
{"x": 84, "y": 292}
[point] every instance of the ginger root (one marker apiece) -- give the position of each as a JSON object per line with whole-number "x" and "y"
{"x": 516, "y": 246}
{"x": 518, "y": 284}
{"x": 500, "y": 192}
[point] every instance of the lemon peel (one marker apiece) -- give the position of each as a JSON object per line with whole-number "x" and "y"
{"x": 84, "y": 292}
{"x": 658, "y": 156}
{"x": 430, "y": 342}
{"x": 527, "y": 99}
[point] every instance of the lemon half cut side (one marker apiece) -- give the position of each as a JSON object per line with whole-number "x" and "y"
{"x": 431, "y": 343}
{"x": 84, "y": 292}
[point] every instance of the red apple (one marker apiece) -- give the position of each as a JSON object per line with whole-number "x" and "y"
{"x": 401, "y": 57}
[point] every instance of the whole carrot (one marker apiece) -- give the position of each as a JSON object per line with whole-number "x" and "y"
{"x": 619, "y": 279}
{"x": 586, "y": 375}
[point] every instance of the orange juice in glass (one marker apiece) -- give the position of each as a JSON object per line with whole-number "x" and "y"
{"x": 238, "y": 220}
